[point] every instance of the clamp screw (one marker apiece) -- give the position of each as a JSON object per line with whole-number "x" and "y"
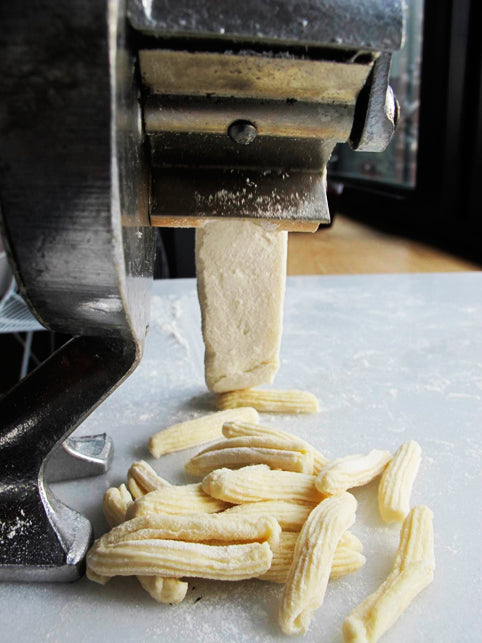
{"x": 242, "y": 132}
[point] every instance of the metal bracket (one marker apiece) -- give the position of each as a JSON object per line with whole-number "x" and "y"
{"x": 40, "y": 538}
{"x": 377, "y": 111}
{"x": 82, "y": 457}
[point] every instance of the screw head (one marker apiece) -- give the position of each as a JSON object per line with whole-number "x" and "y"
{"x": 242, "y": 132}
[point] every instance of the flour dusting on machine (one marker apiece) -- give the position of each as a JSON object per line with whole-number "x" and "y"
{"x": 117, "y": 117}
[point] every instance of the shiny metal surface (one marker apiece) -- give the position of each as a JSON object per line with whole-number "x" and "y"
{"x": 73, "y": 191}
{"x": 89, "y": 455}
{"x": 274, "y": 197}
{"x": 281, "y": 119}
{"x": 359, "y": 24}
{"x": 255, "y": 76}
{"x": 286, "y": 104}
{"x": 196, "y": 90}
{"x": 377, "y": 112}
{"x": 40, "y": 538}
{"x": 72, "y": 184}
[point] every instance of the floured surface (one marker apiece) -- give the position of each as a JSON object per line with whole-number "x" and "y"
{"x": 241, "y": 272}
{"x": 390, "y": 358}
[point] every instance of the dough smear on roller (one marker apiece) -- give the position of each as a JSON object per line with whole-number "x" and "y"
{"x": 241, "y": 276}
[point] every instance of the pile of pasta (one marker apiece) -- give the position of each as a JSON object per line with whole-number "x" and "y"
{"x": 268, "y": 506}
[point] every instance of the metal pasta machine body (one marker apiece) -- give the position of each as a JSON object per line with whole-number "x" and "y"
{"x": 117, "y": 116}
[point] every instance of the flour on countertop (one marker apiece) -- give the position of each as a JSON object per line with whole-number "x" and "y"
{"x": 173, "y": 331}
{"x": 165, "y": 314}
{"x": 341, "y": 309}
{"x": 176, "y": 308}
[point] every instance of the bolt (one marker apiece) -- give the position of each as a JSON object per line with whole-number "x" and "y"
{"x": 242, "y": 132}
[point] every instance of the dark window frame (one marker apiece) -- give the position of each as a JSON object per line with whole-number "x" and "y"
{"x": 444, "y": 206}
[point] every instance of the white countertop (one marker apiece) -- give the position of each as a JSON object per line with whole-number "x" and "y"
{"x": 391, "y": 358}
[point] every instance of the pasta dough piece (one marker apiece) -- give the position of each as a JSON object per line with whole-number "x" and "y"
{"x": 174, "y": 558}
{"x": 290, "y": 515}
{"x": 265, "y": 441}
{"x": 241, "y": 276}
{"x": 194, "y": 432}
{"x": 312, "y": 561}
{"x": 135, "y": 488}
{"x": 237, "y": 429}
{"x": 115, "y": 504}
{"x": 245, "y": 456}
{"x": 164, "y": 590}
{"x": 195, "y": 528}
{"x": 176, "y": 499}
{"x": 412, "y": 571}
{"x": 351, "y": 471}
{"x": 346, "y": 560}
{"x": 397, "y": 481}
{"x": 276, "y": 401}
{"x": 277, "y": 453}
{"x": 97, "y": 578}
{"x": 259, "y": 482}
{"x": 146, "y": 478}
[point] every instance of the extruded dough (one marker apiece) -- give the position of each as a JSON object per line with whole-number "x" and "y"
{"x": 259, "y": 482}
{"x": 397, "y": 480}
{"x": 176, "y": 499}
{"x": 346, "y": 560}
{"x": 115, "y": 504}
{"x": 277, "y": 401}
{"x": 412, "y": 571}
{"x": 174, "y": 558}
{"x": 194, "y": 432}
{"x": 312, "y": 561}
{"x": 278, "y": 453}
{"x": 222, "y": 527}
{"x": 238, "y": 429}
{"x": 351, "y": 471}
{"x": 290, "y": 515}
{"x": 241, "y": 276}
{"x": 145, "y": 479}
{"x": 117, "y": 501}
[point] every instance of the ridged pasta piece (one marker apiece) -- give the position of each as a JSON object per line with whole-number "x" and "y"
{"x": 249, "y": 450}
{"x": 413, "y": 570}
{"x": 259, "y": 482}
{"x": 351, "y": 471}
{"x": 416, "y": 539}
{"x": 164, "y": 590}
{"x": 240, "y": 429}
{"x": 174, "y": 558}
{"x": 195, "y": 432}
{"x": 176, "y": 499}
{"x": 273, "y": 401}
{"x": 115, "y": 504}
{"x": 308, "y": 577}
{"x": 397, "y": 481}
{"x": 350, "y": 541}
{"x": 220, "y": 527}
{"x": 146, "y": 478}
{"x": 290, "y": 514}
{"x": 346, "y": 559}
{"x": 266, "y": 441}
{"x": 135, "y": 488}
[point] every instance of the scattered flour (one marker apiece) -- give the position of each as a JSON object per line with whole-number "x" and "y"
{"x": 171, "y": 329}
